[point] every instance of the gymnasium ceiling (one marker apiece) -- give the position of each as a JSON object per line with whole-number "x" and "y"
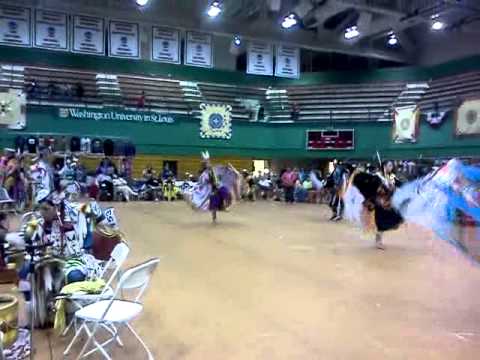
{"x": 322, "y": 22}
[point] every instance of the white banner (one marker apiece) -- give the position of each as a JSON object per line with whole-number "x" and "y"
{"x": 259, "y": 58}
{"x": 165, "y": 45}
{"x": 15, "y": 26}
{"x": 287, "y": 62}
{"x": 51, "y": 30}
{"x": 124, "y": 40}
{"x": 199, "y": 49}
{"x": 88, "y": 35}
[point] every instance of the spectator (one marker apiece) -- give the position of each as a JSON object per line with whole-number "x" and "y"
{"x": 294, "y": 115}
{"x": 261, "y": 113}
{"x": 289, "y": 178}
{"x": 32, "y": 89}
{"x": 52, "y": 89}
{"x": 79, "y": 91}
{"x": 141, "y": 100}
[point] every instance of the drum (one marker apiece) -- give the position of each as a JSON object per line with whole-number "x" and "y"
{"x": 8, "y": 319}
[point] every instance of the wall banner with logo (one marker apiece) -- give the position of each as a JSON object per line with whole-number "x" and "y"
{"x": 287, "y": 62}
{"x": 165, "y": 45}
{"x": 124, "y": 40}
{"x": 88, "y": 35}
{"x": 259, "y": 58}
{"x": 75, "y": 113}
{"x": 199, "y": 49}
{"x": 51, "y": 30}
{"x": 15, "y": 26}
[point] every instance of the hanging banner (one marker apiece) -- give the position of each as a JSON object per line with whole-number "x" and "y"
{"x": 165, "y": 45}
{"x": 287, "y": 62}
{"x": 76, "y": 113}
{"x": 12, "y": 109}
{"x": 15, "y": 26}
{"x": 405, "y": 124}
{"x": 467, "y": 118}
{"x": 199, "y": 49}
{"x": 124, "y": 40}
{"x": 88, "y": 35}
{"x": 259, "y": 58}
{"x": 215, "y": 121}
{"x": 51, "y": 30}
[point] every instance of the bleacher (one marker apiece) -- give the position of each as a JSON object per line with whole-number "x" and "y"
{"x": 243, "y": 100}
{"x": 12, "y": 77}
{"x": 352, "y": 102}
{"x": 447, "y": 92}
{"x": 160, "y": 94}
{"x": 60, "y": 79}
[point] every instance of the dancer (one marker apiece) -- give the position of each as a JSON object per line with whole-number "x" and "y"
{"x": 216, "y": 188}
{"x": 368, "y": 201}
{"x": 436, "y": 200}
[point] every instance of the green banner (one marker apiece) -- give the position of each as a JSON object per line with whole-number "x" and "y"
{"x": 115, "y": 115}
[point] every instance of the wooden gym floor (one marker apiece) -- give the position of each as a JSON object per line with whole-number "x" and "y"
{"x": 273, "y": 281}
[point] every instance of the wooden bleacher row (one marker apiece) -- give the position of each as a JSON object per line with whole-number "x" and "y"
{"x": 448, "y": 91}
{"x": 338, "y": 102}
{"x": 43, "y": 77}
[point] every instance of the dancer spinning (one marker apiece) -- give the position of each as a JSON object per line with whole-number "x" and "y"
{"x": 216, "y": 189}
{"x": 368, "y": 201}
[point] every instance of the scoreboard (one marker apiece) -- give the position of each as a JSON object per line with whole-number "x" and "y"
{"x": 331, "y": 139}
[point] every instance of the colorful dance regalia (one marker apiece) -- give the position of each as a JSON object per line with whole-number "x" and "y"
{"x": 436, "y": 200}
{"x": 217, "y": 188}
{"x": 370, "y": 196}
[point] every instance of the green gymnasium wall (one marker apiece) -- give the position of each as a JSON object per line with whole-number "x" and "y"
{"x": 259, "y": 140}
{"x": 255, "y": 140}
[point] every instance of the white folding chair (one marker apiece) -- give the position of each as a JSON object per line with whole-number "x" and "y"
{"x": 117, "y": 258}
{"x": 6, "y": 202}
{"x": 115, "y": 311}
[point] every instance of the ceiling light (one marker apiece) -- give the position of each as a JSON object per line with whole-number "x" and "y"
{"x": 237, "y": 40}
{"x": 392, "y": 40}
{"x": 438, "y": 25}
{"x": 214, "y": 9}
{"x": 141, "y": 2}
{"x": 352, "y": 32}
{"x": 289, "y": 21}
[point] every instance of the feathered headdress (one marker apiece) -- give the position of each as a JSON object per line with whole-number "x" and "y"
{"x": 205, "y": 155}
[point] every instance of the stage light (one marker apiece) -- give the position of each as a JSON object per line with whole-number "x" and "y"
{"x": 214, "y": 9}
{"x": 141, "y": 2}
{"x": 289, "y": 21}
{"x": 352, "y": 32}
{"x": 237, "y": 40}
{"x": 438, "y": 25}
{"x": 392, "y": 39}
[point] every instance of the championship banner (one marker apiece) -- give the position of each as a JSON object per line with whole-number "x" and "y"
{"x": 259, "y": 58}
{"x": 51, "y": 30}
{"x": 405, "y": 124}
{"x": 12, "y": 109}
{"x": 287, "y": 63}
{"x": 15, "y": 26}
{"x": 199, "y": 49}
{"x": 165, "y": 45}
{"x": 88, "y": 35}
{"x": 216, "y": 121}
{"x": 467, "y": 118}
{"x": 124, "y": 40}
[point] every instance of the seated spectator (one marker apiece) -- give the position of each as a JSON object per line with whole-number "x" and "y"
{"x": 79, "y": 91}
{"x": 261, "y": 113}
{"x": 52, "y": 89}
{"x": 141, "y": 100}
{"x": 32, "y": 89}
{"x": 294, "y": 115}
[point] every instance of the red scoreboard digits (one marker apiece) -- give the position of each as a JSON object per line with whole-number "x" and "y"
{"x": 336, "y": 139}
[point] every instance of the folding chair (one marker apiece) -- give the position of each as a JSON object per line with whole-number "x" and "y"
{"x": 117, "y": 258}
{"x": 115, "y": 311}
{"x": 6, "y": 202}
